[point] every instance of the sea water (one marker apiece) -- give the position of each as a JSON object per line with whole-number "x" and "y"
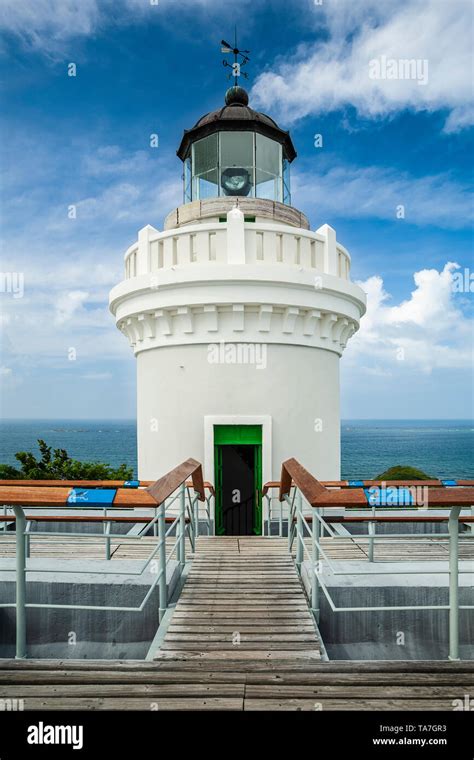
{"x": 441, "y": 448}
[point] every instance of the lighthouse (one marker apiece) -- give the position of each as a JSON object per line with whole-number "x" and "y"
{"x": 238, "y": 314}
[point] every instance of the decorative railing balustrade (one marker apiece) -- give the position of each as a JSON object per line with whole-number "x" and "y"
{"x": 309, "y": 505}
{"x": 215, "y": 243}
{"x": 175, "y": 507}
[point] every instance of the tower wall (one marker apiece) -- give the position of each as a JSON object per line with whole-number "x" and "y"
{"x": 295, "y": 387}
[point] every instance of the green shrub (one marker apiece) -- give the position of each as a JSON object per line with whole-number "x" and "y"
{"x": 403, "y": 472}
{"x": 7, "y": 472}
{"x": 56, "y": 464}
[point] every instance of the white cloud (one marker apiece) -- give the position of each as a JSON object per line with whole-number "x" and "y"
{"x": 426, "y": 331}
{"x": 110, "y": 160}
{"x": 431, "y": 303}
{"x": 47, "y": 25}
{"x": 108, "y": 184}
{"x": 334, "y": 72}
{"x": 68, "y": 304}
{"x": 376, "y": 192}
{"x": 119, "y": 202}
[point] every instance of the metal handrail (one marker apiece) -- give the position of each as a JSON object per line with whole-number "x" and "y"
{"x": 161, "y": 495}
{"x": 307, "y": 489}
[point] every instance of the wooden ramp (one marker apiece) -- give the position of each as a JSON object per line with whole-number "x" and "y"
{"x": 242, "y": 601}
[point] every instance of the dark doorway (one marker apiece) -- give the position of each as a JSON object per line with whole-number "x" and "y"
{"x": 238, "y": 489}
{"x": 238, "y": 479}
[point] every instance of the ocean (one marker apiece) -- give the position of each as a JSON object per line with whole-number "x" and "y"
{"x": 442, "y": 448}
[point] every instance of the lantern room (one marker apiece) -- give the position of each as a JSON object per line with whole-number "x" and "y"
{"x": 238, "y": 152}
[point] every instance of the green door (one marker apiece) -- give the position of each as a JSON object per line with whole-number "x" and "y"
{"x": 218, "y": 482}
{"x": 258, "y": 490}
{"x": 238, "y": 479}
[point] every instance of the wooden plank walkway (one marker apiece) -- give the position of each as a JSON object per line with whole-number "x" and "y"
{"x": 222, "y": 684}
{"x": 242, "y": 600}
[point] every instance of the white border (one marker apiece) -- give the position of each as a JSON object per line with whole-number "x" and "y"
{"x": 264, "y": 420}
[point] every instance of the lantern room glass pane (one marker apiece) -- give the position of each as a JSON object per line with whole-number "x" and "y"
{"x": 205, "y": 154}
{"x": 268, "y": 171}
{"x": 286, "y": 182}
{"x": 206, "y": 185}
{"x": 245, "y": 164}
{"x": 237, "y": 163}
{"x": 205, "y": 174}
{"x": 187, "y": 180}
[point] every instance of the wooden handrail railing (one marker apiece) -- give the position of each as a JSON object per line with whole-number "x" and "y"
{"x": 207, "y": 486}
{"x": 369, "y": 483}
{"x": 84, "y": 484}
{"x": 70, "y": 483}
{"x": 52, "y": 496}
{"x": 293, "y": 471}
{"x": 317, "y": 495}
{"x": 165, "y": 486}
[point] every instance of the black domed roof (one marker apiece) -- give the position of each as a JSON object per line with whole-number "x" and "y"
{"x": 236, "y": 116}
{"x": 236, "y": 111}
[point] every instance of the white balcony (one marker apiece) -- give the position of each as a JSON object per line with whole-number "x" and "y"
{"x": 237, "y": 242}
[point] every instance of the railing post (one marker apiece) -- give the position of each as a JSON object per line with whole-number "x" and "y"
{"x": 196, "y": 520}
{"x": 162, "y": 560}
{"x": 208, "y": 513}
{"x": 290, "y": 522}
{"x": 182, "y": 527}
{"x": 299, "y": 529}
{"x": 107, "y": 539}
{"x": 453, "y": 525}
{"x": 20, "y": 527}
{"x": 315, "y": 565}
{"x": 192, "y": 518}
{"x": 291, "y": 528}
{"x": 27, "y": 539}
{"x": 371, "y": 527}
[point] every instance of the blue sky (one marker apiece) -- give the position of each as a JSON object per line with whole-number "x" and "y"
{"x": 143, "y": 69}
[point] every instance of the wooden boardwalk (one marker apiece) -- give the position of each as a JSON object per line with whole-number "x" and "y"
{"x": 242, "y": 600}
{"x": 241, "y": 637}
{"x": 234, "y": 685}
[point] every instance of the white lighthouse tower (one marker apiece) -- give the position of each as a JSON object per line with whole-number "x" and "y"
{"x": 238, "y": 315}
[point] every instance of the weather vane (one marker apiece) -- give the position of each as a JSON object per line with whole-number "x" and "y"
{"x": 240, "y": 58}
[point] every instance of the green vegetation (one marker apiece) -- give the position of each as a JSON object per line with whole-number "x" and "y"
{"x": 57, "y": 465}
{"x": 7, "y": 472}
{"x": 403, "y": 472}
